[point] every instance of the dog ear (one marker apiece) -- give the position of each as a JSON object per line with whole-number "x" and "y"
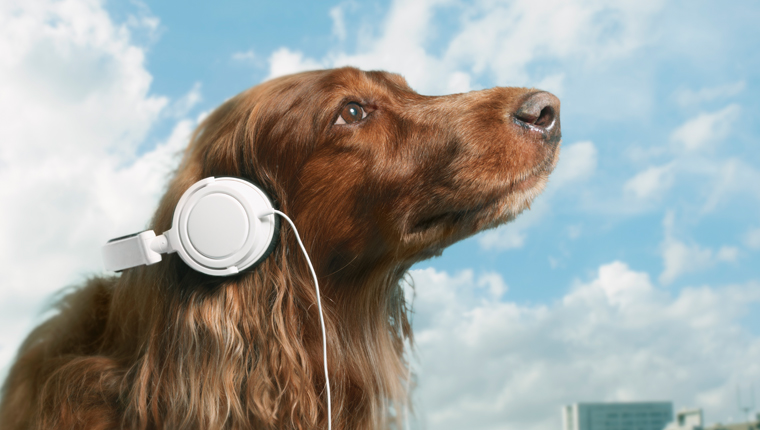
{"x": 219, "y": 137}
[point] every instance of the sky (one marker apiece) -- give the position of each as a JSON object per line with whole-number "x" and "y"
{"x": 634, "y": 277}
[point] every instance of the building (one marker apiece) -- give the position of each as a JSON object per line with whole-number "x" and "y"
{"x": 749, "y": 425}
{"x": 617, "y": 416}
{"x": 691, "y": 419}
{"x": 687, "y": 419}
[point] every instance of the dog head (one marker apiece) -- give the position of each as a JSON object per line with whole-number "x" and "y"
{"x": 377, "y": 176}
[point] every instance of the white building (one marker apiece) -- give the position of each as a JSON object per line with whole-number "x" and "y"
{"x": 617, "y": 416}
{"x": 748, "y": 425}
{"x": 687, "y": 419}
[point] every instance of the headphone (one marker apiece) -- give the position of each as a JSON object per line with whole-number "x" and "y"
{"x": 221, "y": 226}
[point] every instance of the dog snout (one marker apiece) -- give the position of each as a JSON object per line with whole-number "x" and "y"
{"x": 540, "y": 111}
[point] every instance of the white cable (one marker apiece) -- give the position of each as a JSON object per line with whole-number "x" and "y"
{"x": 409, "y": 395}
{"x": 409, "y": 375}
{"x": 321, "y": 318}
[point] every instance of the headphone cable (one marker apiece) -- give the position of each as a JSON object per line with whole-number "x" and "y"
{"x": 321, "y": 317}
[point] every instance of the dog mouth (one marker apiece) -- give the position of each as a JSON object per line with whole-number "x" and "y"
{"x": 491, "y": 208}
{"x": 449, "y": 225}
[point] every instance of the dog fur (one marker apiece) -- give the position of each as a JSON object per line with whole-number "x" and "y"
{"x": 164, "y": 347}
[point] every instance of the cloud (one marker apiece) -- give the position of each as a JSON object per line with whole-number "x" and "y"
{"x": 727, "y": 253}
{"x": 578, "y": 162}
{"x": 752, "y": 238}
{"x": 680, "y": 258}
{"x": 502, "y": 238}
{"x": 697, "y": 161}
{"x": 687, "y": 97}
{"x": 182, "y": 106}
{"x": 245, "y": 56}
{"x": 488, "y": 364}
{"x": 76, "y": 110}
{"x": 652, "y": 182}
{"x": 726, "y": 178}
{"x": 250, "y": 58}
{"x": 503, "y": 38}
{"x": 574, "y": 231}
{"x": 718, "y": 179}
{"x": 339, "y": 24}
{"x": 490, "y": 41}
{"x": 706, "y": 129}
{"x": 284, "y": 62}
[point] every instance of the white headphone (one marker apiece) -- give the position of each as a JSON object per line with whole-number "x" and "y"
{"x": 221, "y": 226}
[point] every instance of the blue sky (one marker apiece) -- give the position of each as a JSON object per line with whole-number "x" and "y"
{"x": 635, "y": 276}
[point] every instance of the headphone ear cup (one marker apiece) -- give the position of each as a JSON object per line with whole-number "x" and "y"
{"x": 217, "y": 229}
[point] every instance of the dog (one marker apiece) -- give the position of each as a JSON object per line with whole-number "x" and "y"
{"x": 377, "y": 177}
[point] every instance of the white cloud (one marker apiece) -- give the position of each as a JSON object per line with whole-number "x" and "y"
{"x": 493, "y": 40}
{"x": 502, "y": 238}
{"x": 706, "y": 129}
{"x": 144, "y": 27}
{"x": 577, "y": 163}
{"x": 752, "y": 238}
{"x": 688, "y": 97}
{"x": 574, "y": 231}
{"x": 459, "y": 82}
{"x": 244, "y": 56}
{"x": 727, "y": 253}
{"x": 503, "y": 38}
{"x": 637, "y": 153}
{"x": 696, "y": 161}
{"x": 680, "y": 258}
{"x": 494, "y": 283}
{"x": 488, "y": 364}
{"x": 76, "y": 107}
{"x": 553, "y": 83}
{"x": 727, "y": 178}
{"x": 651, "y": 182}
{"x": 182, "y": 106}
{"x": 339, "y": 24}
{"x": 284, "y": 62}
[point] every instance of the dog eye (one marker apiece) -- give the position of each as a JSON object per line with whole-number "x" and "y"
{"x": 351, "y": 113}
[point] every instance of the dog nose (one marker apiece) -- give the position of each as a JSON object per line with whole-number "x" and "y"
{"x": 541, "y": 111}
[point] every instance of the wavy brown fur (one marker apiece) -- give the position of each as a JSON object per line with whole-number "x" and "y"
{"x": 164, "y": 347}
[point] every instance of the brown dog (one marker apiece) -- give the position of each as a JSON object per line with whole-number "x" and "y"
{"x": 376, "y": 177}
